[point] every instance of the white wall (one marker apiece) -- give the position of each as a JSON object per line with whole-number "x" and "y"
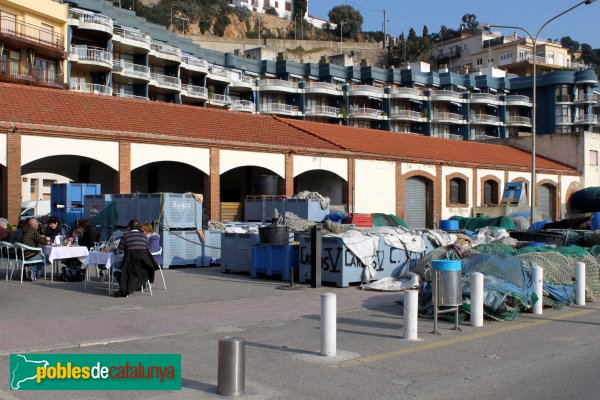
{"x": 142, "y": 154}
{"x": 338, "y": 166}
{"x": 591, "y": 172}
{"x": 42, "y": 191}
{"x": 374, "y": 185}
{"x": 37, "y": 147}
{"x": 448, "y": 212}
{"x": 409, "y": 167}
{"x": 3, "y": 149}
{"x": 230, "y": 159}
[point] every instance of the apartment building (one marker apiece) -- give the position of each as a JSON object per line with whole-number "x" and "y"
{"x": 283, "y": 7}
{"x": 455, "y": 51}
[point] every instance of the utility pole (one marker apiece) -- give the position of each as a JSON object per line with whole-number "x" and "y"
{"x": 341, "y": 41}
{"x": 384, "y": 30}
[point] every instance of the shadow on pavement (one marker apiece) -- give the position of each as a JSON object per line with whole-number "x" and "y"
{"x": 280, "y": 348}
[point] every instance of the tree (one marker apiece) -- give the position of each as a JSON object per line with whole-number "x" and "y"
{"x": 469, "y": 21}
{"x": 300, "y": 7}
{"x": 351, "y": 19}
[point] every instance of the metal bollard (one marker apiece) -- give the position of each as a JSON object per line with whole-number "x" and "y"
{"x": 232, "y": 366}
{"x": 328, "y": 324}
{"x": 580, "y": 283}
{"x": 411, "y": 317}
{"x": 316, "y": 245}
{"x": 538, "y": 289}
{"x": 477, "y": 299}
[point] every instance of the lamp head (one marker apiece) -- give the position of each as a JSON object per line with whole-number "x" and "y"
{"x": 487, "y": 27}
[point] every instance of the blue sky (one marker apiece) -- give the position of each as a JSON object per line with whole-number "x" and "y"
{"x": 582, "y": 23}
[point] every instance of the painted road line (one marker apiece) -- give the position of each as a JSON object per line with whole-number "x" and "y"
{"x": 459, "y": 339}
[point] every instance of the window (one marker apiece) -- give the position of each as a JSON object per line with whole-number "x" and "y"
{"x": 594, "y": 157}
{"x": 458, "y": 191}
{"x": 288, "y": 6}
{"x": 479, "y": 61}
{"x": 33, "y": 185}
{"x": 46, "y": 33}
{"x": 563, "y": 93}
{"x": 48, "y": 182}
{"x": 563, "y": 114}
{"x": 490, "y": 193}
{"x": 45, "y": 70}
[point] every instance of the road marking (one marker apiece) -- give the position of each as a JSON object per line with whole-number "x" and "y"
{"x": 459, "y": 339}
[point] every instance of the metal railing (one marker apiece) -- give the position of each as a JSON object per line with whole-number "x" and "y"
{"x": 484, "y": 96}
{"x": 587, "y": 119}
{"x": 10, "y": 27}
{"x": 406, "y": 92}
{"x": 516, "y": 97}
{"x": 91, "y": 88}
{"x": 278, "y": 108}
{"x": 93, "y": 54}
{"x": 220, "y": 72}
{"x": 443, "y": 94}
{"x": 483, "y": 118}
{"x": 141, "y": 71}
{"x": 564, "y": 120}
{"x": 130, "y": 96}
{"x": 365, "y": 112}
{"x": 20, "y": 72}
{"x": 448, "y": 117}
{"x": 322, "y": 85}
{"x": 448, "y": 136}
{"x": 372, "y": 90}
{"x": 519, "y": 120}
{"x": 242, "y": 78}
{"x": 90, "y": 18}
{"x": 408, "y": 114}
{"x": 198, "y": 91}
{"x": 165, "y": 80}
{"x": 323, "y": 110}
{"x": 586, "y": 98}
{"x": 242, "y": 105}
{"x": 133, "y": 35}
{"x": 219, "y": 99}
{"x": 197, "y": 62}
{"x": 165, "y": 49}
{"x": 278, "y": 82}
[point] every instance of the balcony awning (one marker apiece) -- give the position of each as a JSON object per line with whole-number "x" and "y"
{"x": 296, "y": 76}
{"x": 456, "y": 104}
{"x": 415, "y": 101}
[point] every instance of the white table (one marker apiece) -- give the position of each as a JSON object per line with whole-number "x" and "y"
{"x": 56, "y": 253}
{"x": 96, "y": 258}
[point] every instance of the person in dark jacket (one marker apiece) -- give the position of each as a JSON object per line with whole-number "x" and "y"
{"x": 138, "y": 264}
{"x": 55, "y": 228}
{"x": 89, "y": 234}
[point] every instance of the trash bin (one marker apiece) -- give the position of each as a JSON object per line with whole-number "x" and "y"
{"x": 450, "y": 284}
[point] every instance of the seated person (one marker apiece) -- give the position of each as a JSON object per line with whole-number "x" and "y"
{"x": 55, "y": 228}
{"x": 33, "y": 238}
{"x": 138, "y": 265}
{"x": 88, "y": 235}
{"x": 153, "y": 240}
{"x": 17, "y": 235}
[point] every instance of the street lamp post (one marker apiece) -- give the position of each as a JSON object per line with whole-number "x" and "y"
{"x": 532, "y": 184}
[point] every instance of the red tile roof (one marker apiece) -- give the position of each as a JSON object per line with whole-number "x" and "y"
{"x": 20, "y": 103}
{"x": 422, "y": 147}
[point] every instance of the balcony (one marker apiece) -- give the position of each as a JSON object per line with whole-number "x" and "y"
{"x": 130, "y": 70}
{"x": 91, "y": 21}
{"x": 21, "y": 35}
{"x": 366, "y": 113}
{"x": 519, "y": 121}
{"x": 130, "y": 96}
{"x": 170, "y": 83}
{"x": 484, "y": 98}
{"x": 219, "y": 74}
{"x": 365, "y": 90}
{"x": 587, "y": 119}
{"x": 448, "y": 136}
{"x": 450, "y": 118}
{"x": 219, "y": 100}
{"x": 277, "y": 85}
{"x": 447, "y": 95}
{"x": 14, "y": 72}
{"x": 587, "y": 99}
{"x": 194, "y": 64}
{"x": 91, "y": 88}
{"x": 165, "y": 52}
{"x": 517, "y": 100}
{"x": 564, "y": 120}
{"x": 484, "y": 119}
{"x": 322, "y": 88}
{"x": 485, "y": 137}
{"x": 242, "y": 105}
{"x": 323, "y": 111}
{"x": 279, "y": 108}
{"x": 131, "y": 41}
{"x": 407, "y": 93}
{"x": 239, "y": 81}
{"x": 91, "y": 59}
{"x": 193, "y": 92}
{"x": 407, "y": 115}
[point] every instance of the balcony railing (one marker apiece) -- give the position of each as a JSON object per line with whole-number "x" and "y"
{"x": 448, "y": 136}
{"x": 446, "y": 95}
{"x": 220, "y": 99}
{"x": 165, "y": 49}
{"x": 445, "y": 116}
{"x": 93, "y": 54}
{"x": 322, "y": 86}
{"x": 366, "y": 112}
{"x": 564, "y": 120}
{"x": 220, "y": 72}
{"x": 359, "y": 90}
{"x": 587, "y": 119}
{"x": 196, "y": 91}
{"x": 242, "y": 78}
{"x": 21, "y": 73}
{"x": 586, "y": 98}
{"x": 196, "y": 62}
{"x": 133, "y": 35}
{"x": 518, "y": 98}
{"x": 164, "y": 80}
{"x": 323, "y": 110}
{"x": 91, "y": 88}
{"x": 279, "y": 108}
{"x": 564, "y": 99}
{"x": 91, "y": 18}
{"x": 484, "y": 119}
{"x": 406, "y": 92}
{"x": 130, "y": 96}
{"x": 406, "y": 114}
{"x": 124, "y": 67}
{"x": 484, "y": 97}
{"x": 278, "y": 82}
{"x": 10, "y": 27}
{"x": 242, "y": 105}
{"x": 517, "y": 120}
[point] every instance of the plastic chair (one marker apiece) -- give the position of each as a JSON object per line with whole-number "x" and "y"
{"x": 159, "y": 253}
{"x": 20, "y": 249}
{"x": 5, "y": 250}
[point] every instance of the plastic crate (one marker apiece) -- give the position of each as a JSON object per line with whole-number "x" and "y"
{"x": 173, "y": 210}
{"x": 236, "y": 251}
{"x": 309, "y": 209}
{"x": 212, "y": 250}
{"x": 69, "y": 215}
{"x": 95, "y": 204}
{"x": 263, "y": 209}
{"x": 181, "y": 248}
{"x": 275, "y": 260}
{"x": 69, "y": 195}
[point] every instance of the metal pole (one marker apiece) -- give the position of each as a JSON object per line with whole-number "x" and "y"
{"x": 328, "y": 324}
{"x": 477, "y": 299}
{"x": 315, "y": 257}
{"x": 232, "y": 366}
{"x": 538, "y": 289}
{"x": 580, "y": 283}
{"x": 341, "y": 42}
{"x": 411, "y": 319}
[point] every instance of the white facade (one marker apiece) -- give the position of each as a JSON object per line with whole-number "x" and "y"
{"x": 37, "y": 186}
{"x": 283, "y": 7}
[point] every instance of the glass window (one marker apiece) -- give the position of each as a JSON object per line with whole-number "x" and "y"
{"x": 490, "y": 193}
{"x": 458, "y": 191}
{"x": 594, "y": 157}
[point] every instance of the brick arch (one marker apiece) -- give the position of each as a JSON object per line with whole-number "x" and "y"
{"x": 482, "y": 181}
{"x": 556, "y": 215}
{"x": 465, "y": 178}
{"x": 433, "y": 196}
{"x": 526, "y": 182}
{"x": 573, "y": 187}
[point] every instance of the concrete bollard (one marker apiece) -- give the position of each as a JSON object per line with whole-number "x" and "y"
{"x": 580, "y": 283}
{"x": 411, "y": 315}
{"x": 232, "y": 366}
{"x": 328, "y": 324}
{"x": 477, "y": 299}
{"x": 538, "y": 289}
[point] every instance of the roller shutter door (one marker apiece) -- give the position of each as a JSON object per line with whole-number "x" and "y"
{"x": 415, "y": 203}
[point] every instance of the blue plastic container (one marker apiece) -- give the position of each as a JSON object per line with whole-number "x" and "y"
{"x": 595, "y": 221}
{"x": 449, "y": 225}
{"x": 236, "y": 251}
{"x": 67, "y": 199}
{"x": 275, "y": 260}
{"x": 446, "y": 265}
{"x": 536, "y": 244}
